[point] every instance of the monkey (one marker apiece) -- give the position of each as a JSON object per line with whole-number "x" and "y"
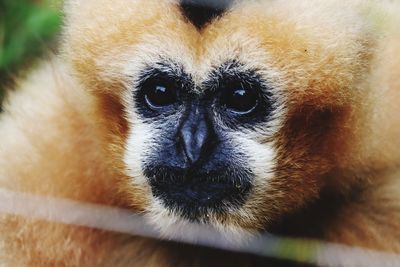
{"x": 244, "y": 116}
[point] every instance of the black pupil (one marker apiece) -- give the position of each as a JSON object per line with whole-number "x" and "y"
{"x": 159, "y": 95}
{"x": 240, "y": 99}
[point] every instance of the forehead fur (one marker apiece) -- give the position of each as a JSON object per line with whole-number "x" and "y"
{"x": 320, "y": 48}
{"x": 315, "y": 46}
{"x": 98, "y": 33}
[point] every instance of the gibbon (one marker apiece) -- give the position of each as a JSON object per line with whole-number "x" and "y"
{"x": 245, "y": 116}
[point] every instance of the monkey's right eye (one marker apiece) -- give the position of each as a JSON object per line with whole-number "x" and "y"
{"x": 160, "y": 94}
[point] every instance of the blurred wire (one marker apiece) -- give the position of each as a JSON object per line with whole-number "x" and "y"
{"x": 124, "y": 221}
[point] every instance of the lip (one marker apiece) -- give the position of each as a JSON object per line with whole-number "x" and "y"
{"x": 201, "y": 193}
{"x": 194, "y": 194}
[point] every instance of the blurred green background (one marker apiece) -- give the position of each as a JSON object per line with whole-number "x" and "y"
{"x": 28, "y": 29}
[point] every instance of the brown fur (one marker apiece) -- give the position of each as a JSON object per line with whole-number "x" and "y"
{"x": 63, "y": 133}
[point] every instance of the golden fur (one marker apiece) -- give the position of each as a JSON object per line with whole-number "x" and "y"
{"x": 336, "y": 67}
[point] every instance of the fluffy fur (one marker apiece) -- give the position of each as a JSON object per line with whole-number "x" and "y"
{"x": 326, "y": 165}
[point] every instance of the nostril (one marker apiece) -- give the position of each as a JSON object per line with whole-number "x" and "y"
{"x": 194, "y": 133}
{"x": 193, "y": 138}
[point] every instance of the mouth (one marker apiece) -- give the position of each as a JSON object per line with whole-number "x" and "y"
{"x": 193, "y": 194}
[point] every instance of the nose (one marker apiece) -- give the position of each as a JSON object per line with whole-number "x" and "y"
{"x": 194, "y": 133}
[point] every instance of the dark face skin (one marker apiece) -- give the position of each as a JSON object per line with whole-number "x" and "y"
{"x": 194, "y": 166}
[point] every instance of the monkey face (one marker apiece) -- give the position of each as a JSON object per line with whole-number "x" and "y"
{"x": 197, "y": 160}
{"x": 233, "y": 124}
{"x": 201, "y": 141}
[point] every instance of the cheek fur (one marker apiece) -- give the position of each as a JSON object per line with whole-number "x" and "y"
{"x": 137, "y": 146}
{"x": 259, "y": 157}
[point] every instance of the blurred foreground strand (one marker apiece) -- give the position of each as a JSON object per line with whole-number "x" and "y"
{"x": 124, "y": 221}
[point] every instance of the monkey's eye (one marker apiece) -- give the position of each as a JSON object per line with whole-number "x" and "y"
{"x": 239, "y": 99}
{"x": 160, "y": 94}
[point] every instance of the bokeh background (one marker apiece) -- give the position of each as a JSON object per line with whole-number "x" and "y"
{"x": 28, "y": 31}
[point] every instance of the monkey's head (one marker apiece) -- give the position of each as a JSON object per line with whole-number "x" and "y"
{"x": 233, "y": 115}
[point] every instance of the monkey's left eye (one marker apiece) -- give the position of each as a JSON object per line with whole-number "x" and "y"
{"x": 160, "y": 94}
{"x": 239, "y": 99}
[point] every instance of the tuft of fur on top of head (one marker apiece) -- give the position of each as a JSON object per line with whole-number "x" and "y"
{"x": 200, "y": 13}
